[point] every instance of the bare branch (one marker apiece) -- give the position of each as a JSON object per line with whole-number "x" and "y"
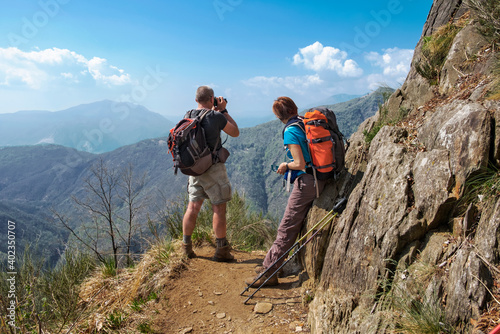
{"x": 63, "y": 221}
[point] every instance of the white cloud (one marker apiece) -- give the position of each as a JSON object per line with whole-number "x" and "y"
{"x": 334, "y": 73}
{"x": 107, "y": 74}
{"x": 394, "y": 62}
{"x": 295, "y": 84}
{"x": 320, "y": 58}
{"x": 34, "y": 69}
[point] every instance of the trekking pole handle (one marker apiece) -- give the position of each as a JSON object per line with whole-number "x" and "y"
{"x": 340, "y": 206}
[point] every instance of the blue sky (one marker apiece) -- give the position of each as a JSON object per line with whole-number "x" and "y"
{"x": 56, "y": 54}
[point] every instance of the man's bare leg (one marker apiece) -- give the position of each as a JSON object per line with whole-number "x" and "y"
{"x": 188, "y": 225}
{"x": 222, "y": 253}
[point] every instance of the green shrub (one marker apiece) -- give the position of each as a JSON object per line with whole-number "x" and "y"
{"x": 408, "y": 309}
{"x": 248, "y": 230}
{"x": 136, "y": 305}
{"x": 403, "y": 112}
{"x": 488, "y": 14}
{"x": 171, "y": 216}
{"x": 483, "y": 186}
{"x": 203, "y": 231}
{"x": 163, "y": 251}
{"x": 108, "y": 268}
{"x": 382, "y": 120}
{"x": 245, "y": 229}
{"x": 435, "y": 49}
{"x": 47, "y": 298}
{"x": 116, "y": 320}
{"x": 145, "y": 327}
{"x": 369, "y": 135}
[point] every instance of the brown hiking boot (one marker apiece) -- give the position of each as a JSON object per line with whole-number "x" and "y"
{"x": 187, "y": 249}
{"x": 223, "y": 254}
{"x": 272, "y": 281}
{"x": 260, "y": 269}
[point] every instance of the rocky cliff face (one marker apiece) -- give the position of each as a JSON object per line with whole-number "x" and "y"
{"x": 414, "y": 237}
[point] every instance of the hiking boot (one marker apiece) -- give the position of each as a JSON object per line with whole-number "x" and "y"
{"x": 187, "y": 249}
{"x": 223, "y": 254}
{"x": 260, "y": 269}
{"x": 272, "y": 281}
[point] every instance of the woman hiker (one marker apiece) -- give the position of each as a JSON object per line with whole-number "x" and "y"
{"x": 303, "y": 193}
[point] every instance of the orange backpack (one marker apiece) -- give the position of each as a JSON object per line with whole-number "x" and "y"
{"x": 325, "y": 142}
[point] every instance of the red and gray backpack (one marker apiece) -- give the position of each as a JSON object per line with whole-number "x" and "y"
{"x": 188, "y": 146}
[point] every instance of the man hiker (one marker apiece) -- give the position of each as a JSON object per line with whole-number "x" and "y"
{"x": 302, "y": 196}
{"x": 214, "y": 183}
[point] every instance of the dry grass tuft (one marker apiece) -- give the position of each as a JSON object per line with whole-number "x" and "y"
{"x": 104, "y": 297}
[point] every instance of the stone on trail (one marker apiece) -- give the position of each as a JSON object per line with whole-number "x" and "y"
{"x": 263, "y": 308}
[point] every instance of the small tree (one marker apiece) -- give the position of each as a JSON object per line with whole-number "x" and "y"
{"x": 108, "y": 190}
{"x": 130, "y": 188}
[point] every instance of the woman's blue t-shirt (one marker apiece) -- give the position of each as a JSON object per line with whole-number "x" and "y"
{"x": 294, "y": 135}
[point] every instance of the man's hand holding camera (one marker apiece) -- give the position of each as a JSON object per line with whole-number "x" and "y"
{"x": 220, "y": 104}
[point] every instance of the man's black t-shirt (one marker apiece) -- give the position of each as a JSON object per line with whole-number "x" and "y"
{"x": 212, "y": 123}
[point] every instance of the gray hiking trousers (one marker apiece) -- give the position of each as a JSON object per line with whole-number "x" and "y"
{"x": 299, "y": 203}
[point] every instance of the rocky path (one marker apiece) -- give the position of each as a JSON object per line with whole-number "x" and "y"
{"x": 205, "y": 298}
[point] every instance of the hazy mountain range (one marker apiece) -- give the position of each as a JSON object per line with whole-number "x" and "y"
{"x": 95, "y": 127}
{"x": 101, "y": 126}
{"x": 338, "y": 98}
{"x": 37, "y": 178}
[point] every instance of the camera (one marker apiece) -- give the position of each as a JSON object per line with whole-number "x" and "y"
{"x": 215, "y": 101}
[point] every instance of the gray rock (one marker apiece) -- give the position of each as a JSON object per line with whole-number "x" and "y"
{"x": 466, "y": 45}
{"x": 402, "y": 203}
{"x": 445, "y": 130}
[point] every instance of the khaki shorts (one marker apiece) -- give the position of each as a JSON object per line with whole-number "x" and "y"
{"x": 213, "y": 185}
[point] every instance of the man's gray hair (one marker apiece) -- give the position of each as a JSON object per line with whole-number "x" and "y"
{"x": 204, "y": 94}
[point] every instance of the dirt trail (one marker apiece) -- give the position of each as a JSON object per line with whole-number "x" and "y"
{"x": 205, "y": 298}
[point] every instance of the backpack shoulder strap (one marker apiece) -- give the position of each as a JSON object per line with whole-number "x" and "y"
{"x": 193, "y": 113}
{"x": 297, "y": 121}
{"x": 203, "y": 113}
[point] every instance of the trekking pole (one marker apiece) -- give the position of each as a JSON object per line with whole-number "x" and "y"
{"x": 495, "y": 330}
{"x": 336, "y": 208}
{"x": 294, "y": 253}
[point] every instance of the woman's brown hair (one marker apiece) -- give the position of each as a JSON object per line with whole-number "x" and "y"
{"x": 284, "y": 108}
